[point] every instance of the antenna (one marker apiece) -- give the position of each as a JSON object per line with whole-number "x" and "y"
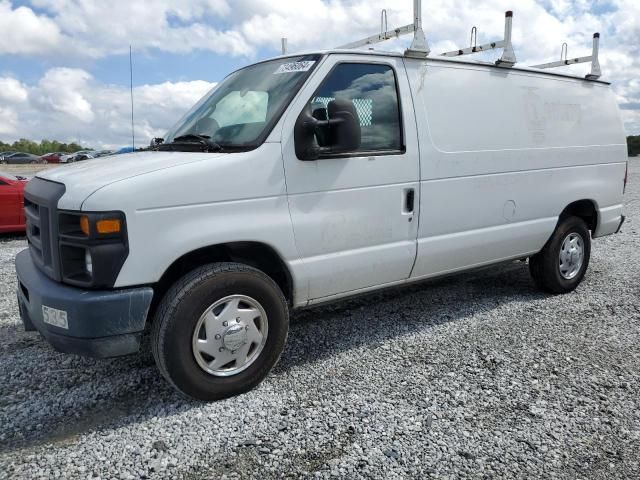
{"x": 283, "y": 41}
{"x": 419, "y": 46}
{"x": 133, "y": 136}
{"x": 508, "y": 58}
{"x": 564, "y": 60}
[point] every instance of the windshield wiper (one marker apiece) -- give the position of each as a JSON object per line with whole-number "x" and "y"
{"x": 204, "y": 141}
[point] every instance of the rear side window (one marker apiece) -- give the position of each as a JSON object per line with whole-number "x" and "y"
{"x": 372, "y": 90}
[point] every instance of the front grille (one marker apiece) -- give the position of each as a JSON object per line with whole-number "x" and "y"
{"x": 41, "y": 211}
{"x": 37, "y": 232}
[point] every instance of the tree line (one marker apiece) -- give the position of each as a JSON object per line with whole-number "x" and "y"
{"x": 633, "y": 145}
{"x": 45, "y": 146}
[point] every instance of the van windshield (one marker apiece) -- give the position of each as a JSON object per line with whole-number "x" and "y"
{"x": 240, "y": 112}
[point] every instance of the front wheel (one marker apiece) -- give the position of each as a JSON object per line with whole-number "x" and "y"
{"x": 562, "y": 263}
{"x": 219, "y": 330}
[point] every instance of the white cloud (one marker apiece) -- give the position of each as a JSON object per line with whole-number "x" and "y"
{"x": 12, "y": 91}
{"x": 100, "y": 28}
{"x": 61, "y": 90}
{"x": 13, "y": 95}
{"x": 8, "y": 122}
{"x": 69, "y": 105}
{"x": 23, "y": 32}
{"x": 245, "y": 27}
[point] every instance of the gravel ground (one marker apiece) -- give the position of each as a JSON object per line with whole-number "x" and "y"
{"x": 477, "y": 375}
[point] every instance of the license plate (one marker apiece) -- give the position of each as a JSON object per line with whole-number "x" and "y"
{"x": 55, "y": 317}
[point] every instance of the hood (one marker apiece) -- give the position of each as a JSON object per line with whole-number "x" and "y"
{"x": 19, "y": 184}
{"x": 81, "y": 179}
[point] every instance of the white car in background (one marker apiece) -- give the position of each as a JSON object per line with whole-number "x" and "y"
{"x": 70, "y": 158}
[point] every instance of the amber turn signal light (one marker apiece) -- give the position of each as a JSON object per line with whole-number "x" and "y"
{"x": 105, "y": 227}
{"x": 84, "y": 225}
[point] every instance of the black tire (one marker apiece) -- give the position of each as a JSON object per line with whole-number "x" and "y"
{"x": 545, "y": 265}
{"x": 183, "y": 305}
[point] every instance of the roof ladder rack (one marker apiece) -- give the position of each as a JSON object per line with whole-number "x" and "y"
{"x": 564, "y": 61}
{"x": 508, "y": 58}
{"x": 419, "y": 47}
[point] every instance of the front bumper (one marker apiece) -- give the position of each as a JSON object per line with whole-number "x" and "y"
{"x": 105, "y": 323}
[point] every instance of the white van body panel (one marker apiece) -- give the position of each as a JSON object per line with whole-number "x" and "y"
{"x": 493, "y": 155}
{"x": 351, "y": 228}
{"x": 499, "y": 168}
{"x": 221, "y": 198}
{"x": 81, "y": 179}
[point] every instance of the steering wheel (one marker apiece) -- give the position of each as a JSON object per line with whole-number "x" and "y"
{"x": 206, "y": 126}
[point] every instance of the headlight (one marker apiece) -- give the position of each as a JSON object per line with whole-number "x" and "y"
{"x": 93, "y": 247}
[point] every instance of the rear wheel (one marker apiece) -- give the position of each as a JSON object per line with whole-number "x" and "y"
{"x": 219, "y": 330}
{"x": 562, "y": 263}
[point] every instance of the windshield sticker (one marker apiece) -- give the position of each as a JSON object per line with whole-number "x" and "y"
{"x": 294, "y": 67}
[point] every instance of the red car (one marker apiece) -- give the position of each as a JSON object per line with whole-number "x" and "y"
{"x": 12, "y": 203}
{"x": 53, "y": 157}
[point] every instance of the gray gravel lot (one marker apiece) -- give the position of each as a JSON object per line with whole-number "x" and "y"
{"x": 477, "y": 375}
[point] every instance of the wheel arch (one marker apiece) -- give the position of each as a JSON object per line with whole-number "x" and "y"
{"x": 586, "y": 209}
{"x": 255, "y": 254}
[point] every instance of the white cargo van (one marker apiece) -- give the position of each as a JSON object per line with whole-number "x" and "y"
{"x": 309, "y": 178}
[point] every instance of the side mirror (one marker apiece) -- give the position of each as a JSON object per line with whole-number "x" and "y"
{"x": 340, "y": 132}
{"x": 304, "y": 136}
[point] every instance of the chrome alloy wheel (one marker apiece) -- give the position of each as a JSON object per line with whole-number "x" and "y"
{"x": 571, "y": 255}
{"x": 230, "y": 335}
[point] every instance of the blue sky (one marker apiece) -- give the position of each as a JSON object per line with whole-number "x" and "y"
{"x": 64, "y": 65}
{"x": 150, "y": 66}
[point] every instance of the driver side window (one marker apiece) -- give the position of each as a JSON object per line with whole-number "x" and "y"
{"x": 371, "y": 88}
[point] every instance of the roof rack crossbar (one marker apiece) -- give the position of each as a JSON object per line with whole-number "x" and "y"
{"x": 564, "y": 60}
{"x": 373, "y": 39}
{"x": 418, "y": 47}
{"x": 508, "y": 58}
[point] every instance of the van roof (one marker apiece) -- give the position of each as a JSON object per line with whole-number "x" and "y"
{"x": 454, "y": 60}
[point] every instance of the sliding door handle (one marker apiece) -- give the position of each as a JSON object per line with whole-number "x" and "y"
{"x": 409, "y": 200}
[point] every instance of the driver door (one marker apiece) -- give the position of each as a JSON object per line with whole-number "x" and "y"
{"x": 355, "y": 213}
